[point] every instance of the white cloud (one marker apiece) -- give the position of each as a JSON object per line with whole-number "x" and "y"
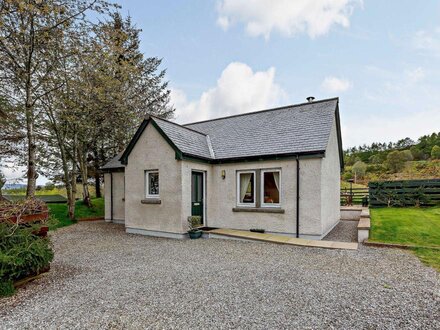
{"x": 239, "y": 89}
{"x": 334, "y": 84}
{"x": 288, "y": 17}
{"x": 427, "y": 42}
{"x": 416, "y": 74}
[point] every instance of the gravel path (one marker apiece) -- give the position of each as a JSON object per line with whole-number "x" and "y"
{"x": 344, "y": 231}
{"x": 103, "y": 278}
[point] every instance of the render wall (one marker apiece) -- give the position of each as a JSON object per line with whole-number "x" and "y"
{"x": 107, "y": 197}
{"x": 118, "y": 196}
{"x": 330, "y": 183}
{"x": 222, "y": 197}
{"x": 153, "y": 152}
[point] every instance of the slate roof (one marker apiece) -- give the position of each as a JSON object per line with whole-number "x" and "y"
{"x": 188, "y": 141}
{"x": 292, "y": 130}
{"x": 288, "y": 130}
{"x": 113, "y": 163}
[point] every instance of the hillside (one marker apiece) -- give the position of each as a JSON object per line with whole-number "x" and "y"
{"x": 403, "y": 160}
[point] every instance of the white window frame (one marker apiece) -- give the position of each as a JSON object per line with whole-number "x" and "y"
{"x": 147, "y": 184}
{"x": 262, "y": 203}
{"x": 239, "y": 203}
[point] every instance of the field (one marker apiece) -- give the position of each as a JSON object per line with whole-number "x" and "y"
{"x": 409, "y": 226}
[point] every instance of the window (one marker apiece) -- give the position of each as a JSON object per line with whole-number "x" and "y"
{"x": 246, "y": 188}
{"x": 270, "y": 188}
{"x": 152, "y": 184}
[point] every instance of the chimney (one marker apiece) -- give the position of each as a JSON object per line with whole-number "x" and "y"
{"x": 310, "y": 99}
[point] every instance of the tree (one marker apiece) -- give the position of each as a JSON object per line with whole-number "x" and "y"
{"x": 417, "y": 153}
{"x": 396, "y": 161}
{"x": 29, "y": 32}
{"x": 121, "y": 87}
{"x": 435, "y": 152}
{"x": 359, "y": 169}
{"x": 11, "y": 134}
{"x": 2, "y": 183}
{"x": 408, "y": 155}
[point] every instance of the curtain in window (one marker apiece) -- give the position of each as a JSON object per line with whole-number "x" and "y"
{"x": 245, "y": 179}
{"x": 276, "y": 177}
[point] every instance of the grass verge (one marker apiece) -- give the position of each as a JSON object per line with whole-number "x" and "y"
{"x": 59, "y": 212}
{"x": 409, "y": 226}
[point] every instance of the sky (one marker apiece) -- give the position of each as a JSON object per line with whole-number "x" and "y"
{"x": 381, "y": 58}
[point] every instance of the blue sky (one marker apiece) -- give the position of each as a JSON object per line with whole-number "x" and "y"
{"x": 380, "y": 57}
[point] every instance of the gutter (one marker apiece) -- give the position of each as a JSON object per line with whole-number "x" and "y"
{"x": 297, "y": 196}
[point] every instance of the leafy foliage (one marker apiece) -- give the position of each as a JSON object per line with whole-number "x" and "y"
{"x": 359, "y": 169}
{"x": 405, "y": 159}
{"x": 435, "y": 152}
{"x": 21, "y": 254}
{"x": 194, "y": 222}
{"x": 396, "y": 161}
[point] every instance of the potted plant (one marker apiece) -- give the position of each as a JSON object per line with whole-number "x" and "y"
{"x": 194, "y": 223}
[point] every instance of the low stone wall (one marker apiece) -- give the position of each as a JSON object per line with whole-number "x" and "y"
{"x": 351, "y": 213}
{"x": 358, "y": 214}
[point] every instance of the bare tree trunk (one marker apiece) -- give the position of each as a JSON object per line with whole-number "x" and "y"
{"x": 97, "y": 183}
{"x": 84, "y": 177}
{"x": 97, "y": 173}
{"x": 29, "y": 107}
{"x": 71, "y": 208}
{"x": 32, "y": 148}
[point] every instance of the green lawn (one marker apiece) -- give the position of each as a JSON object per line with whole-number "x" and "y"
{"x": 59, "y": 212}
{"x": 409, "y": 226}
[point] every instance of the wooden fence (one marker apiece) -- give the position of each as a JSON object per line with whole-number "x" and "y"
{"x": 404, "y": 193}
{"x": 356, "y": 193}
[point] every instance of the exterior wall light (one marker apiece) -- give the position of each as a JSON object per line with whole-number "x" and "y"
{"x": 223, "y": 174}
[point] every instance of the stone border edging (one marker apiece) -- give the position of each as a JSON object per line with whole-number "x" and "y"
{"x": 399, "y": 246}
{"x": 91, "y": 219}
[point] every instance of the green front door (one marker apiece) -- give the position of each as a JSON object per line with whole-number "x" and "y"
{"x": 197, "y": 194}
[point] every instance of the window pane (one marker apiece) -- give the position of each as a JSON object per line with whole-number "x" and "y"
{"x": 247, "y": 193}
{"x": 153, "y": 183}
{"x": 271, "y": 187}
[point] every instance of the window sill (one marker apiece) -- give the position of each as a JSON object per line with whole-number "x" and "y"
{"x": 151, "y": 201}
{"x": 258, "y": 209}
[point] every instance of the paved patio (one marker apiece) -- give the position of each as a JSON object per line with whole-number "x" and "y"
{"x": 103, "y": 278}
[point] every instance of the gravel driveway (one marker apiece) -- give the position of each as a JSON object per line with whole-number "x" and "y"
{"x": 104, "y": 278}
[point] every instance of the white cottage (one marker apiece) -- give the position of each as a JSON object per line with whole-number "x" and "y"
{"x": 276, "y": 169}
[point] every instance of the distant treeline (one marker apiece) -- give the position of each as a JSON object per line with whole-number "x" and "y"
{"x": 377, "y": 152}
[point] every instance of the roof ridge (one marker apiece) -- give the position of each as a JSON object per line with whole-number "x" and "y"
{"x": 176, "y": 124}
{"x": 260, "y": 111}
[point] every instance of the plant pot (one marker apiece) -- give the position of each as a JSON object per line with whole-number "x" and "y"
{"x": 194, "y": 234}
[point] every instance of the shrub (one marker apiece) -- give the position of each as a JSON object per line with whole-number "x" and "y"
{"x": 347, "y": 176}
{"x": 359, "y": 169}
{"x": 435, "y": 152}
{"x": 6, "y": 288}
{"x": 21, "y": 254}
{"x": 194, "y": 222}
{"x": 417, "y": 153}
{"x": 396, "y": 161}
{"x": 408, "y": 155}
